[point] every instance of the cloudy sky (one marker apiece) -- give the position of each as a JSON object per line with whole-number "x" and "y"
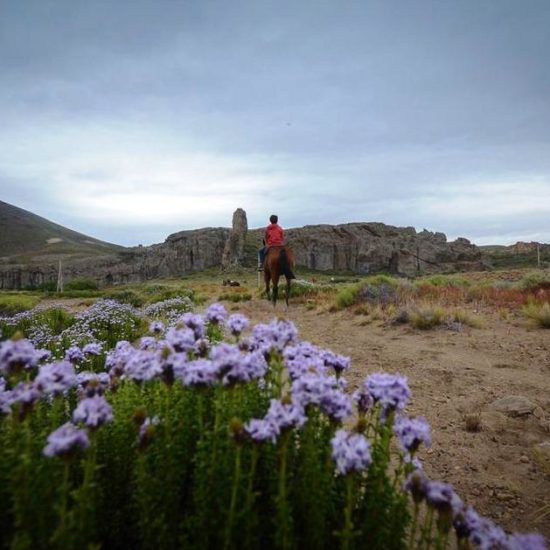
{"x": 131, "y": 119}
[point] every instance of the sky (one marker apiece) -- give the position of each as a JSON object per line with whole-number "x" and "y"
{"x": 129, "y": 120}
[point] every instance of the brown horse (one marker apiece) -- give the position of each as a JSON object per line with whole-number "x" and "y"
{"x": 279, "y": 260}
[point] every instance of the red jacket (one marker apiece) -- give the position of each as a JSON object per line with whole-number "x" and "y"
{"x": 274, "y": 235}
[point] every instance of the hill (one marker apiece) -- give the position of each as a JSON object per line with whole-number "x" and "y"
{"x": 25, "y": 236}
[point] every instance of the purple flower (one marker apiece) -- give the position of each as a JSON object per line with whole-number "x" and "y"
{"x": 336, "y": 404}
{"x": 156, "y": 327}
{"x": 339, "y": 363}
{"x": 482, "y": 531}
{"x": 234, "y": 366}
{"x": 74, "y": 354}
{"x": 411, "y": 432}
{"x": 311, "y": 388}
{"x": 92, "y": 383}
{"x": 93, "y": 411}
{"x": 237, "y": 323}
{"x": 201, "y": 372}
{"x": 148, "y": 342}
{"x": 181, "y": 339}
{"x": 303, "y": 358}
{"x": 56, "y": 378}
{"x": 528, "y": 541}
{"x": 274, "y": 336}
{"x": 285, "y": 415}
{"x": 66, "y": 439}
{"x": 93, "y": 348}
{"x": 117, "y": 358}
{"x": 261, "y": 430}
{"x": 25, "y": 393}
{"x": 216, "y": 314}
{"x": 19, "y": 354}
{"x": 350, "y": 451}
{"x": 390, "y": 390}
{"x": 195, "y": 322}
{"x": 363, "y": 399}
{"x": 442, "y": 496}
{"x": 416, "y": 484}
{"x": 143, "y": 365}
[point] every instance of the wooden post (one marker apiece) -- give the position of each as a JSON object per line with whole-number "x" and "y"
{"x": 60, "y": 278}
{"x": 538, "y": 255}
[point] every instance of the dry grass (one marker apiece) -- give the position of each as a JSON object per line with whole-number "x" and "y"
{"x": 426, "y": 317}
{"x": 472, "y": 422}
{"x": 539, "y": 314}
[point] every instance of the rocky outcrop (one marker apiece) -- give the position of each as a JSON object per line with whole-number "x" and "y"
{"x": 233, "y": 253}
{"x": 374, "y": 247}
{"x": 355, "y": 247}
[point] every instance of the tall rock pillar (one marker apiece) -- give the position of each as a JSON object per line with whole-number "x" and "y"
{"x": 234, "y": 246}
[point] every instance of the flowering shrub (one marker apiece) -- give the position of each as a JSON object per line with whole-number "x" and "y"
{"x": 187, "y": 440}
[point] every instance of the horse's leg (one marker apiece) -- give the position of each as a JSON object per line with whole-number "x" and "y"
{"x": 275, "y": 288}
{"x": 287, "y": 293}
{"x": 267, "y": 278}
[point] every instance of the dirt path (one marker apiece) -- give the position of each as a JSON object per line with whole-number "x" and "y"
{"x": 452, "y": 374}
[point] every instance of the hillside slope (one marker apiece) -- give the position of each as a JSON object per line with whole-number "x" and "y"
{"x": 25, "y": 235}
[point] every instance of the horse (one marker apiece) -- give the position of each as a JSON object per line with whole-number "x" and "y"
{"x": 279, "y": 260}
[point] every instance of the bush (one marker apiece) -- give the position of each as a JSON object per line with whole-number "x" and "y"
{"x": 444, "y": 280}
{"x": 535, "y": 280}
{"x": 426, "y": 317}
{"x": 465, "y": 318}
{"x": 539, "y": 314}
{"x": 81, "y": 284}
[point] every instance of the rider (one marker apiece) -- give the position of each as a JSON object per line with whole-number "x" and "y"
{"x": 274, "y": 236}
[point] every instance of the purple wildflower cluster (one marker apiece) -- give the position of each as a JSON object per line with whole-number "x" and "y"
{"x": 18, "y": 355}
{"x": 93, "y": 411}
{"x": 411, "y": 432}
{"x": 468, "y": 524}
{"x": 350, "y": 451}
{"x": 170, "y": 309}
{"x": 310, "y": 378}
{"x": 65, "y": 440}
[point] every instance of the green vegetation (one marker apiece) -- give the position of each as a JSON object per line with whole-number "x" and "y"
{"x": 539, "y": 314}
{"x": 81, "y": 284}
{"x": 15, "y": 302}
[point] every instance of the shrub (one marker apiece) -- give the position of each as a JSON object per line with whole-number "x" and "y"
{"x": 81, "y": 284}
{"x": 535, "y": 280}
{"x": 465, "y": 318}
{"x": 426, "y": 317}
{"x": 539, "y": 314}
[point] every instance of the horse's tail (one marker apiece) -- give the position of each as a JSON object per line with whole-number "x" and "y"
{"x": 285, "y": 265}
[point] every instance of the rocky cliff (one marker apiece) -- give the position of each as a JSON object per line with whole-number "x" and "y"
{"x": 354, "y": 247}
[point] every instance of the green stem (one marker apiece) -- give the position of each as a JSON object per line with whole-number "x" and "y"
{"x": 414, "y": 525}
{"x": 282, "y": 505}
{"x": 236, "y": 481}
{"x": 60, "y": 533}
{"x": 249, "y": 507}
{"x": 427, "y": 531}
{"x": 347, "y": 533}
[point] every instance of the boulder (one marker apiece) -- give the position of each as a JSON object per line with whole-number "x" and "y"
{"x": 514, "y": 405}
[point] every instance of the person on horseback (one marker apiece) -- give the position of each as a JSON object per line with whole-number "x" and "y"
{"x": 274, "y": 236}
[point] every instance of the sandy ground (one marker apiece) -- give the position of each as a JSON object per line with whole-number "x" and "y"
{"x": 452, "y": 374}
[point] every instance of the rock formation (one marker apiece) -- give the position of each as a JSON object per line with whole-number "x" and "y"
{"x": 355, "y": 247}
{"x": 233, "y": 252}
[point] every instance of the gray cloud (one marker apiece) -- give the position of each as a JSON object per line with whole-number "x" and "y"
{"x": 175, "y": 113}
